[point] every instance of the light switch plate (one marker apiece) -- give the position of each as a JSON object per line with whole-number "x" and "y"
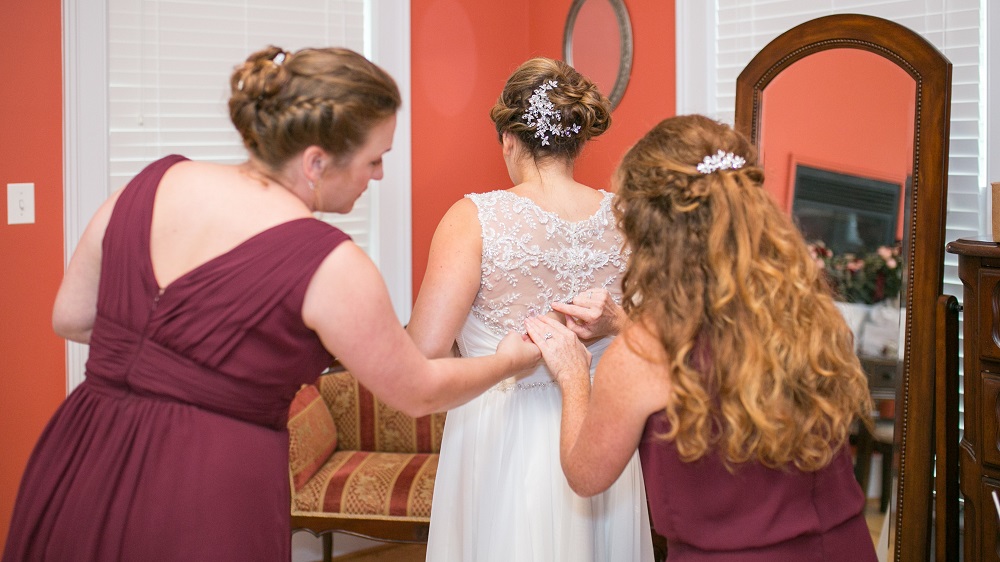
{"x": 20, "y": 203}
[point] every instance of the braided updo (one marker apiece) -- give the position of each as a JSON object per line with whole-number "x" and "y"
{"x": 283, "y": 102}
{"x": 575, "y": 97}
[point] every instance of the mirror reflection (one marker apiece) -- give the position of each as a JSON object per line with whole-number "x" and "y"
{"x": 598, "y": 43}
{"x": 836, "y": 142}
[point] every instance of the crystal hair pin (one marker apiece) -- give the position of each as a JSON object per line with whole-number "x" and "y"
{"x": 278, "y": 58}
{"x": 543, "y": 116}
{"x": 721, "y": 161}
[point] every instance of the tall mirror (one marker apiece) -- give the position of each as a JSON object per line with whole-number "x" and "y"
{"x": 597, "y": 42}
{"x": 850, "y": 114}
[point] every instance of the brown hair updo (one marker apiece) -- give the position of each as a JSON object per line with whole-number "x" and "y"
{"x": 283, "y": 102}
{"x": 576, "y": 98}
{"x": 761, "y": 363}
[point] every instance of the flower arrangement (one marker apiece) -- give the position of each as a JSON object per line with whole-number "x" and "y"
{"x": 863, "y": 278}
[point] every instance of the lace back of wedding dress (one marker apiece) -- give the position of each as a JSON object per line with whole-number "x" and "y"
{"x": 533, "y": 257}
{"x": 500, "y": 494}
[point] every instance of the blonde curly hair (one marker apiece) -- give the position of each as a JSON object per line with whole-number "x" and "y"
{"x": 761, "y": 363}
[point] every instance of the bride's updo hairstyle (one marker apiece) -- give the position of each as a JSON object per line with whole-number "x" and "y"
{"x": 282, "y": 102}
{"x": 583, "y": 111}
{"x": 761, "y": 363}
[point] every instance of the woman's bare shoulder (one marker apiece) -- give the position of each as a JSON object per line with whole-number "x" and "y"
{"x": 462, "y": 216}
{"x": 637, "y": 356}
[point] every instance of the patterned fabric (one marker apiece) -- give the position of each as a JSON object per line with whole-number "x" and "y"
{"x": 385, "y": 462}
{"x": 371, "y": 483}
{"x": 364, "y": 423}
{"x": 540, "y": 258}
{"x": 312, "y": 435}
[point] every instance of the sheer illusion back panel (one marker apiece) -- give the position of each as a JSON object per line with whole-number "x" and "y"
{"x": 532, "y": 257}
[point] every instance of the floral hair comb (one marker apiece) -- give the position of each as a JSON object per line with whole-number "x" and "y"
{"x": 543, "y": 116}
{"x": 721, "y": 161}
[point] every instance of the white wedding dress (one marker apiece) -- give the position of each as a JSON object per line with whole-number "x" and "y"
{"x": 500, "y": 493}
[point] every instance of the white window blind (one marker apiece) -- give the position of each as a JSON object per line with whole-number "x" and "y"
{"x": 169, "y": 63}
{"x": 727, "y": 34}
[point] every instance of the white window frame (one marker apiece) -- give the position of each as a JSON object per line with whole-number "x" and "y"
{"x": 85, "y": 144}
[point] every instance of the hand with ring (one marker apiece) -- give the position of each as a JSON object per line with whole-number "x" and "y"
{"x": 593, "y": 314}
{"x": 564, "y": 354}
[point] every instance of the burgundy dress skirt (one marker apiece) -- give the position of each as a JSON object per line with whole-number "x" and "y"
{"x": 175, "y": 448}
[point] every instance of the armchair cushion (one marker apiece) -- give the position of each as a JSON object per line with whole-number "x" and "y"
{"x": 365, "y": 483}
{"x": 379, "y": 480}
{"x": 312, "y": 435}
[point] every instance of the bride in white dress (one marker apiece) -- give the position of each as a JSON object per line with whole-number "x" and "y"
{"x": 496, "y": 259}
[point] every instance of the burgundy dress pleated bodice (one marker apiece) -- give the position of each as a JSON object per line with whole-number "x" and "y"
{"x": 175, "y": 446}
{"x": 755, "y": 513}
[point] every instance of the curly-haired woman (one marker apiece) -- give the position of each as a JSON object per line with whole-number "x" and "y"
{"x": 736, "y": 378}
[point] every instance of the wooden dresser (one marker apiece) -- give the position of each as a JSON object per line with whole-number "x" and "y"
{"x": 979, "y": 455}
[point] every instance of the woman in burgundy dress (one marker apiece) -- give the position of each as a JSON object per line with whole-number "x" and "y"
{"x": 736, "y": 379}
{"x": 209, "y": 294}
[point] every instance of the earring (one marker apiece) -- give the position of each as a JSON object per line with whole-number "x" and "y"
{"x": 312, "y": 185}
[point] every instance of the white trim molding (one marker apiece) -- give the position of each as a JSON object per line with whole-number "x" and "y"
{"x": 85, "y": 135}
{"x": 390, "y": 33}
{"x": 695, "y": 21}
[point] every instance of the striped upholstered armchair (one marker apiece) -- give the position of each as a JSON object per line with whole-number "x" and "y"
{"x": 357, "y": 466}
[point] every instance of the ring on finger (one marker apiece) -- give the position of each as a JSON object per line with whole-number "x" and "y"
{"x": 548, "y": 335}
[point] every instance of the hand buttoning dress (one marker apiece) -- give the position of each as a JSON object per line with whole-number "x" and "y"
{"x": 500, "y": 493}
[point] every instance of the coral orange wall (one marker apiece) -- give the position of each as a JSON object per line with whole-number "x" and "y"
{"x": 462, "y": 54}
{"x": 32, "y": 358}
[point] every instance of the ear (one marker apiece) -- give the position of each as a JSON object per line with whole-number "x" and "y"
{"x": 314, "y": 162}
{"x": 509, "y": 142}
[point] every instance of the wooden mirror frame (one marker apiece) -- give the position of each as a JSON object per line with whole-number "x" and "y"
{"x": 924, "y": 238}
{"x": 625, "y": 45}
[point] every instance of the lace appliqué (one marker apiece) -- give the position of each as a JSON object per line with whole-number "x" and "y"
{"x": 532, "y": 257}
{"x": 509, "y": 386}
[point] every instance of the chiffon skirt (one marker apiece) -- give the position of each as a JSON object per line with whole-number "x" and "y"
{"x": 500, "y": 493}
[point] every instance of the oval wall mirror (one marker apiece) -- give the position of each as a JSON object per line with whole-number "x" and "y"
{"x": 850, "y": 114}
{"x": 597, "y": 42}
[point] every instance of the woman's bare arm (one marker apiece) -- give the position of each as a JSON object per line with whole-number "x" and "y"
{"x": 348, "y": 305}
{"x": 75, "y": 308}
{"x": 602, "y": 426}
{"x": 450, "y": 283}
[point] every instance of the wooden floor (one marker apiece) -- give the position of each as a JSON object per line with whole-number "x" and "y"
{"x": 875, "y": 518}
